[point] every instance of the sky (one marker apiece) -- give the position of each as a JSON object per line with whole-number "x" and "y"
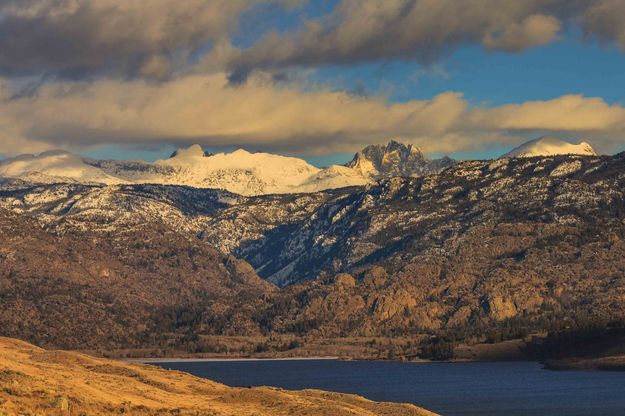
{"x": 317, "y": 79}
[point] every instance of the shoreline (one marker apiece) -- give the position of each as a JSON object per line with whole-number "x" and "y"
{"x": 308, "y": 358}
{"x": 550, "y": 365}
{"x": 604, "y": 364}
{"x": 234, "y": 359}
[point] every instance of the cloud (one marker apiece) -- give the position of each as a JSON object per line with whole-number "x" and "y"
{"x": 360, "y": 31}
{"x": 572, "y": 113}
{"x": 78, "y": 39}
{"x": 262, "y": 116}
{"x": 534, "y": 30}
{"x": 605, "y": 20}
{"x": 126, "y": 38}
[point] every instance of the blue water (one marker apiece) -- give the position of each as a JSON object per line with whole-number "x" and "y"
{"x": 494, "y": 389}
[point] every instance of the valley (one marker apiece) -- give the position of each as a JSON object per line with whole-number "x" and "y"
{"x": 482, "y": 251}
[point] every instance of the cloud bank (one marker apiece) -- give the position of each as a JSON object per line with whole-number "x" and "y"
{"x": 261, "y": 116}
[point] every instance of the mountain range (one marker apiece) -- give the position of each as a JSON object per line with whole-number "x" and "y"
{"x": 240, "y": 171}
{"x": 250, "y": 174}
{"x": 481, "y": 246}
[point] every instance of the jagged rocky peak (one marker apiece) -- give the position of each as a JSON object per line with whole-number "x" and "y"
{"x": 550, "y": 146}
{"x": 395, "y": 159}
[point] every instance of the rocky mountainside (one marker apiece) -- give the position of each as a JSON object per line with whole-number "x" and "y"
{"x": 395, "y": 159}
{"x": 483, "y": 244}
{"x": 515, "y": 243}
{"x": 550, "y": 146}
{"x": 402, "y": 217}
{"x": 80, "y": 285}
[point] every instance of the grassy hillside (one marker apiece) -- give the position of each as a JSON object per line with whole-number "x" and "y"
{"x": 34, "y": 381}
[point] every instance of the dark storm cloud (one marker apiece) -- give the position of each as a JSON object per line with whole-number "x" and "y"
{"x": 74, "y": 38}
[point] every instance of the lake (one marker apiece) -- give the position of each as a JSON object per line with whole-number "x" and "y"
{"x": 495, "y": 389}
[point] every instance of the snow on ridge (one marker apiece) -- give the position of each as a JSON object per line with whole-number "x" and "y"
{"x": 240, "y": 171}
{"x": 550, "y": 146}
{"x": 55, "y": 166}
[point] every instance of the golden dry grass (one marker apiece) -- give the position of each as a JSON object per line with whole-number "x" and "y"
{"x": 34, "y": 381}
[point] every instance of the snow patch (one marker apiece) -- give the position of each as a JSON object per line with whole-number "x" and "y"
{"x": 566, "y": 168}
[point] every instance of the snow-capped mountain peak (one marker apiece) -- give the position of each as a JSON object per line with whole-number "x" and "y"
{"x": 550, "y": 146}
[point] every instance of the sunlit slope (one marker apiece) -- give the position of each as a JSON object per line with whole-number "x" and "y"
{"x": 34, "y": 381}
